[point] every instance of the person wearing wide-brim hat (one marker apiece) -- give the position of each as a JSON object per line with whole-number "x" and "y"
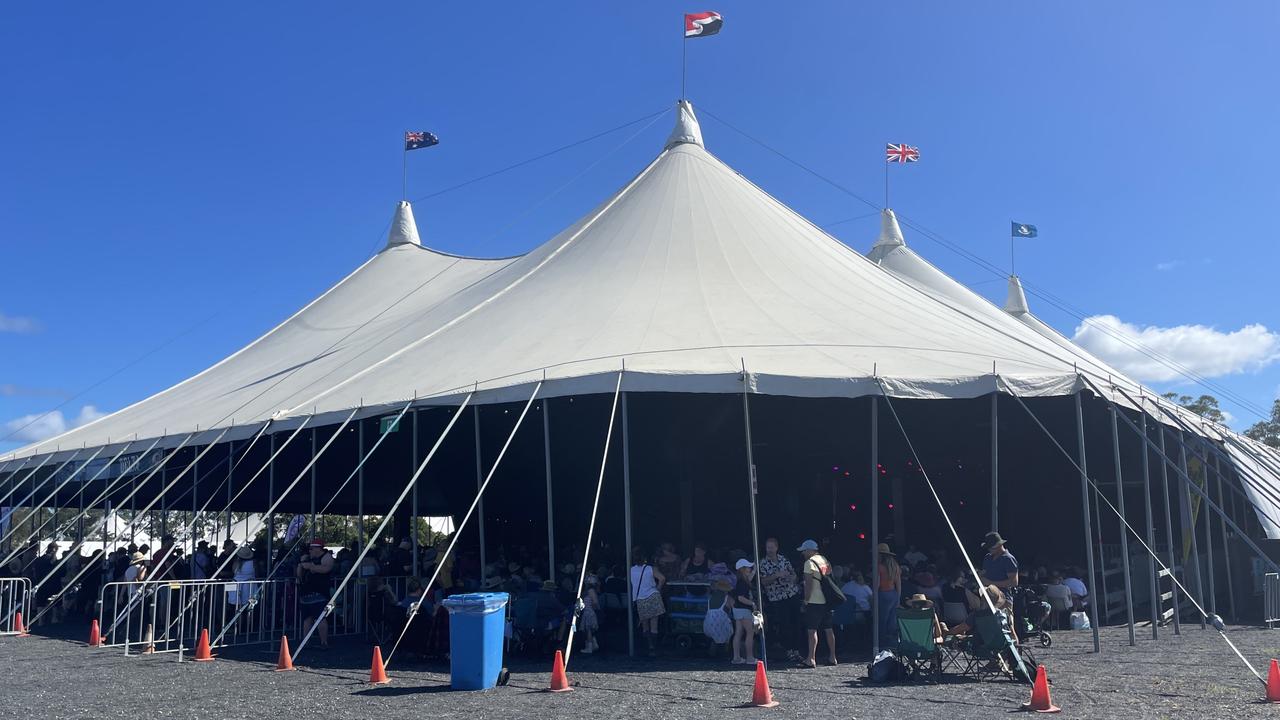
{"x": 137, "y": 569}
{"x": 921, "y": 602}
{"x": 999, "y": 566}
{"x": 888, "y": 593}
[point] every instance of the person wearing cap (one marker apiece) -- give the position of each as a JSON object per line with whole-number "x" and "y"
{"x": 314, "y": 574}
{"x": 888, "y": 593}
{"x": 999, "y": 567}
{"x": 744, "y": 605}
{"x": 816, "y": 610}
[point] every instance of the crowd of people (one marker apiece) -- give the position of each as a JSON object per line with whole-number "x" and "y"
{"x": 800, "y": 600}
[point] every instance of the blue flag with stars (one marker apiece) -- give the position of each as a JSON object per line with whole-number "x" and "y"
{"x": 1023, "y": 230}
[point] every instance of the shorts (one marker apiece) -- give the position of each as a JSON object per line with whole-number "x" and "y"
{"x": 817, "y": 617}
{"x": 312, "y": 599}
{"x": 741, "y": 613}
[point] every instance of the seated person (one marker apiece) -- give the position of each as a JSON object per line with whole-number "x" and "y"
{"x": 858, "y": 592}
{"x": 920, "y": 602}
{"x": 1058, "y": 595}
{"x": 1002, "y": 605}
{"x": 550, "y": 611}
{"x": 1079, "y": 593}
{"x": 927, "y": 582}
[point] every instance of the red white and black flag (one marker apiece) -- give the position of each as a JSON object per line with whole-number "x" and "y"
{"x": 702, "y": 24}
{"x": 901, "y": 153}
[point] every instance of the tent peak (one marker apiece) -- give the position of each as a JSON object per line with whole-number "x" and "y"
{"x": 687, "y": 129}
{"x": 890, "y": 232}
{"x": 1016, "y": 304}
{"x": 404, "y": 231}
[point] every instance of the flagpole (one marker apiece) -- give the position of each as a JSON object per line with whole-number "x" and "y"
{"x": 684, "y": 61}
{"x": 1013, "y": 267}
{"x": 404, "y": 174}
{"x": 886, "y": 185}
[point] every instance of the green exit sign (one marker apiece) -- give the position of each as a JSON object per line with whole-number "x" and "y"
{"x": 389, "y": 424}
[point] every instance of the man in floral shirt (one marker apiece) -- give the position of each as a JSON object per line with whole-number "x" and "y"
{"x": 781, "y": 595}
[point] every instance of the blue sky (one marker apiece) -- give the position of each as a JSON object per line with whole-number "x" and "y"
{"x": 176, "y": 179}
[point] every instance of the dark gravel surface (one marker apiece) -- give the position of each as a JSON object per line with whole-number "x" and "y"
{"x": 1192, "y": 676}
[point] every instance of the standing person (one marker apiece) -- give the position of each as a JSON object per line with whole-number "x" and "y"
{"x": 243, "y": 571}
{"x": 888, "y": 593}
{"x": 201, "y": 561}
{"x": 781, "y": 593}
{"x": 646, "y": 593}
{"x": 744, "y": 605}
{"x": 589, "y": 621}
{"x": 313, "y": 587}
{"x": 999, "y": 567}
{"x": 817, "y": 612}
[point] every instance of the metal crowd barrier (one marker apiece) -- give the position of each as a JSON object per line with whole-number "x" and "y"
{"x": 15, "y": 597}
{"x": 167, "y": 616}
{"x": 1271, "y": 599}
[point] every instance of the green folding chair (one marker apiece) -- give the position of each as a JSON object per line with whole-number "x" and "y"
{"x": 917, "y": 647}
{"x": 992, "y": 652}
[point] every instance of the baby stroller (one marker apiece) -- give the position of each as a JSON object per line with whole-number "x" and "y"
{"x": 1031, "y": 612}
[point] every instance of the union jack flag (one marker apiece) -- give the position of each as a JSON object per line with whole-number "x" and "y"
{"x": 901, "y": 153}
{"x": 414, "y": 140}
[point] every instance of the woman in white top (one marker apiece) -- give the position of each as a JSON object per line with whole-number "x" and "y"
{"x": 243, "y": 570}
{"x": 646, "y": 595}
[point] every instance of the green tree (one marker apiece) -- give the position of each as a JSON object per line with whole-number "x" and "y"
{"x": 1206, "y": 406}
{"x": 1267, "y": 431}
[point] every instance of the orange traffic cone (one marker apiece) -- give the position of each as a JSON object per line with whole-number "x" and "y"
{"x": 285, "y": 662}
{"x": 17, "y": 625}
{"x": 95, "y": 637}
{"x": 1273, "y": 682}
{"x": 761, "y": 695}
{"x": 149, "y": 641}
{"x": 378, "y": 673}
{"x": 559, "y": 681}
{"x": 1040, "y": 701}
{"x": 202, "y": 647}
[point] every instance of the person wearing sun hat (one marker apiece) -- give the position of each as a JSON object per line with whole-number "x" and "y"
{"x": 314, "y": 574}
{"x": 999, "y": 567}
{"x": 888, "y": 593}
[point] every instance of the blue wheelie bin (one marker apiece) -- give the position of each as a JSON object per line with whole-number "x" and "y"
{"x": 476, "y": 626}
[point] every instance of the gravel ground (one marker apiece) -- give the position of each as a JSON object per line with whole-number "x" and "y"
{"x": 1192, "y": 676}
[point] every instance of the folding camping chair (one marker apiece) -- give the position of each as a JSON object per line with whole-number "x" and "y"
{"x": 917, "y": 647}
{"x": 990, "y": 651}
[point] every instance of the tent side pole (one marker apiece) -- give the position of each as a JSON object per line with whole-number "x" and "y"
{"x": 1208, "y": 540}
{"x": 1088, "y": 529}
{"x": 546, "y": 461}
{"x": 315, "y": 529}
{"x": 1190, "y": 530}
{"x": 1226, "y": 548}
{"x": 1168, "y": 533}
{"x": 875, "y": 524}
{"x": 626, "y": 523}
{"x": 271, "y": 497}
{"x": 475, "y": 413}
{"x": 995, "y": 462}
{"x": 752, "y": 489}
{"x": 360, "y": 489}
{"x": 1124, "y": 536}
{"x": 1151, "y": 533}
{"x": 413, "y": 514}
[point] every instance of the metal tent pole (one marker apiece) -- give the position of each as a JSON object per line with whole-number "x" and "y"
{"x": 271, "y": 496}
{"x": 551, "y": 520}
{"x": 752, "y": 489}
{"x": 1168, "y": 532}
{"x": 995, "y": 462}
{"x": 1226, "y": 549}
{"x": 626, "y": 523}
{"x": 479, "y": 481}
{"x": 1151, "y": 534}
{"x": 875, "y": 524}
{"x": 315, "y": 529}
{"x": 1088, "y": 525}
{"x": 360, "y": 489}
{"x": 1208, "y": 541}
{"x": 414, "y": 514}
{"x": 1184, "y": 478}
{"x": 1124, "y": 536}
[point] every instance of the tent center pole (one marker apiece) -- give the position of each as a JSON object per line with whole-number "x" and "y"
{"x": 1088, "y": 525}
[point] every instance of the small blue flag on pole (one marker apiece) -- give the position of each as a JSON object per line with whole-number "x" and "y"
{"x": 1023, "y": 230}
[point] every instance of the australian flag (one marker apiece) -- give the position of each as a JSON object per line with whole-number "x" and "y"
{"x": 1023, "y": 230}
{"x": 414, "y": 140}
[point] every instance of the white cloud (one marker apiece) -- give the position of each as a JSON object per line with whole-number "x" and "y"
{"x": 1167, "y": 265}
{"x": 1201, "y": 349}
{"x": 42, "y": 426}
{"x": 17, "y": 324}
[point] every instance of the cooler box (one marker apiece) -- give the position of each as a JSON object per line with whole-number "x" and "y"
{"x": 476, "y": 628}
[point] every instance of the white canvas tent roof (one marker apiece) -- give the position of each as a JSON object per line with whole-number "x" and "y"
{"x": 687, "y": 273}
